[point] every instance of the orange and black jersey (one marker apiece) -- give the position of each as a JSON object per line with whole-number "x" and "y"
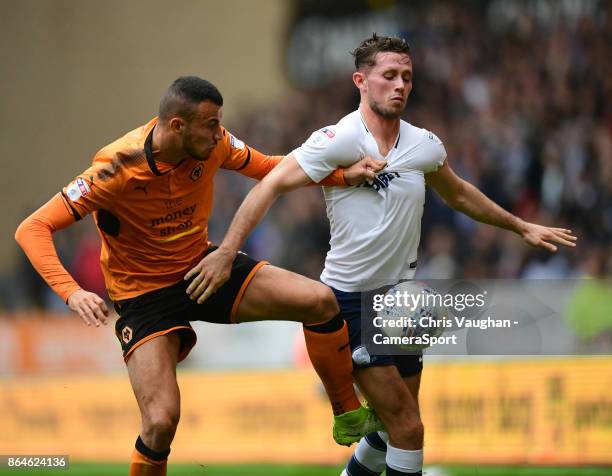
{"x": 152, "y": 217}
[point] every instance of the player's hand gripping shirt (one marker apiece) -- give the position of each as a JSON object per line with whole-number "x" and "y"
{"x": 375, "y": 227}
{"x": 152, "y": 217}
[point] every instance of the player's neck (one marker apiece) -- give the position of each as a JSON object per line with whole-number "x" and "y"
{"x": 384, "y": 130}
{"x": 163, "y": 149}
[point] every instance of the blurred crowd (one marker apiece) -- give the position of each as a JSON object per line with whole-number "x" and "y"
{"x": 524, "y": 108}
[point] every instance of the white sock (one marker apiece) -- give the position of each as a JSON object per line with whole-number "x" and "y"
{"x": 404, "y": 461}
{"x": 372, "y": 457}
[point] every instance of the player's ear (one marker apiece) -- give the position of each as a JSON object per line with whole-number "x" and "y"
{"x": 177, "y": 124}
{"x": 360, "y": 80}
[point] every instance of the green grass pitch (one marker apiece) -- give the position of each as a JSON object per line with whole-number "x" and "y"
{"x": 92, "y": 469}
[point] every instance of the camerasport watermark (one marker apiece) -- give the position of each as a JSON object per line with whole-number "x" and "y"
{"x": 487, "y": 317}
{"x": 413, "y": 316}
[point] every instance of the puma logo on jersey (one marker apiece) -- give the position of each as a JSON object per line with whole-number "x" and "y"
{"x": 381, "y": 181}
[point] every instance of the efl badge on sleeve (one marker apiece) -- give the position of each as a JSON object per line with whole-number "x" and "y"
{"x": 77, "y": 189}
{"x": 236, "y": 143}
{"x": 328, "y": 132}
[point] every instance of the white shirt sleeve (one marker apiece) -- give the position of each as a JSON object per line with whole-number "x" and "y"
{"x": 326, "y": 150}
{"x": 434, "y": 153}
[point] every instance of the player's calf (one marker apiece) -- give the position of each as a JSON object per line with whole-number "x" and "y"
{"x": 328, "y": 348}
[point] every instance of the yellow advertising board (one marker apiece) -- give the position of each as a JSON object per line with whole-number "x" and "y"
{"x": 550, "y": 411}
{"x": 237, "y": 417}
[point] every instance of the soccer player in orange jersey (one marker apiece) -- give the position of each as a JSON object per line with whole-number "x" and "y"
{"x": 150, "y": 194}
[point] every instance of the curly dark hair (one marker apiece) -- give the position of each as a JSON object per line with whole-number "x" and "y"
{"x": 365, "y": 53}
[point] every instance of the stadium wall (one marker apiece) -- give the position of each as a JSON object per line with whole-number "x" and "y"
{"x": 76, "y": 75}
{"x": 555, "y": 411}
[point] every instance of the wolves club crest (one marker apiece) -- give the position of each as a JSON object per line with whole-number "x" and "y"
{"x": 126, "y": 334}
{"x": 196, "y": 173}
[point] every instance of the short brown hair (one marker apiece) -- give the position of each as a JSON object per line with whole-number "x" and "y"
{"x": 365, "y": 53}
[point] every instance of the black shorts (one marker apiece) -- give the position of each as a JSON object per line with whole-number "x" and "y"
{"x": 169, "y": 309}
{"x": 352, "y": 305}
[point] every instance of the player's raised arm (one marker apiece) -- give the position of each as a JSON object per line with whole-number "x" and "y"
{"x": 215, "y": 268}
{"x": 254, "y": 164}
{"x": 34, "y": 235}
{"x": 466, "y": 198}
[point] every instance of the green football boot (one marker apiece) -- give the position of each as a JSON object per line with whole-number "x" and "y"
{"x": 351, "y": 426}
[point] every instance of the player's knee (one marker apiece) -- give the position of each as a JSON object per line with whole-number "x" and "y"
{"x": 401, "y": 417}
{"x": 320, "y": 306}
{"x": 161, "y": 421}
{"x": 407, "y": 430}
{"x": 327, "y": 305}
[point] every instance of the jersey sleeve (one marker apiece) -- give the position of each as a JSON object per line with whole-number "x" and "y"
{"x": 433, "y": 152}
{"x": 254, "y": 164}
{"x": 94, "y": 189}
{"x": 34, "y": 237}
{"x": 237, "y": 155}
{"x": 244, "y": 159}
{"x": 258, "y": 165}
{"x": 326, "y": 150}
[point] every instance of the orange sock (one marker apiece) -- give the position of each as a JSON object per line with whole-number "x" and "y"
{"x": 330, "y": 354}
{"x": 143, "y": 465}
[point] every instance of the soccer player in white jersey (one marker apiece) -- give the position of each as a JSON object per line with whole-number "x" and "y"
{"x": 375, "y": 231}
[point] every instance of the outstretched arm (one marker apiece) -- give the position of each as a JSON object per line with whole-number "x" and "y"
{"x": 258, "y": 165}
{"x": 466, "y": 198}
{"x": 215, "y": 268}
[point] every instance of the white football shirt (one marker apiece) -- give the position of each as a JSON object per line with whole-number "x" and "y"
{"x": 375, "y": 227}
